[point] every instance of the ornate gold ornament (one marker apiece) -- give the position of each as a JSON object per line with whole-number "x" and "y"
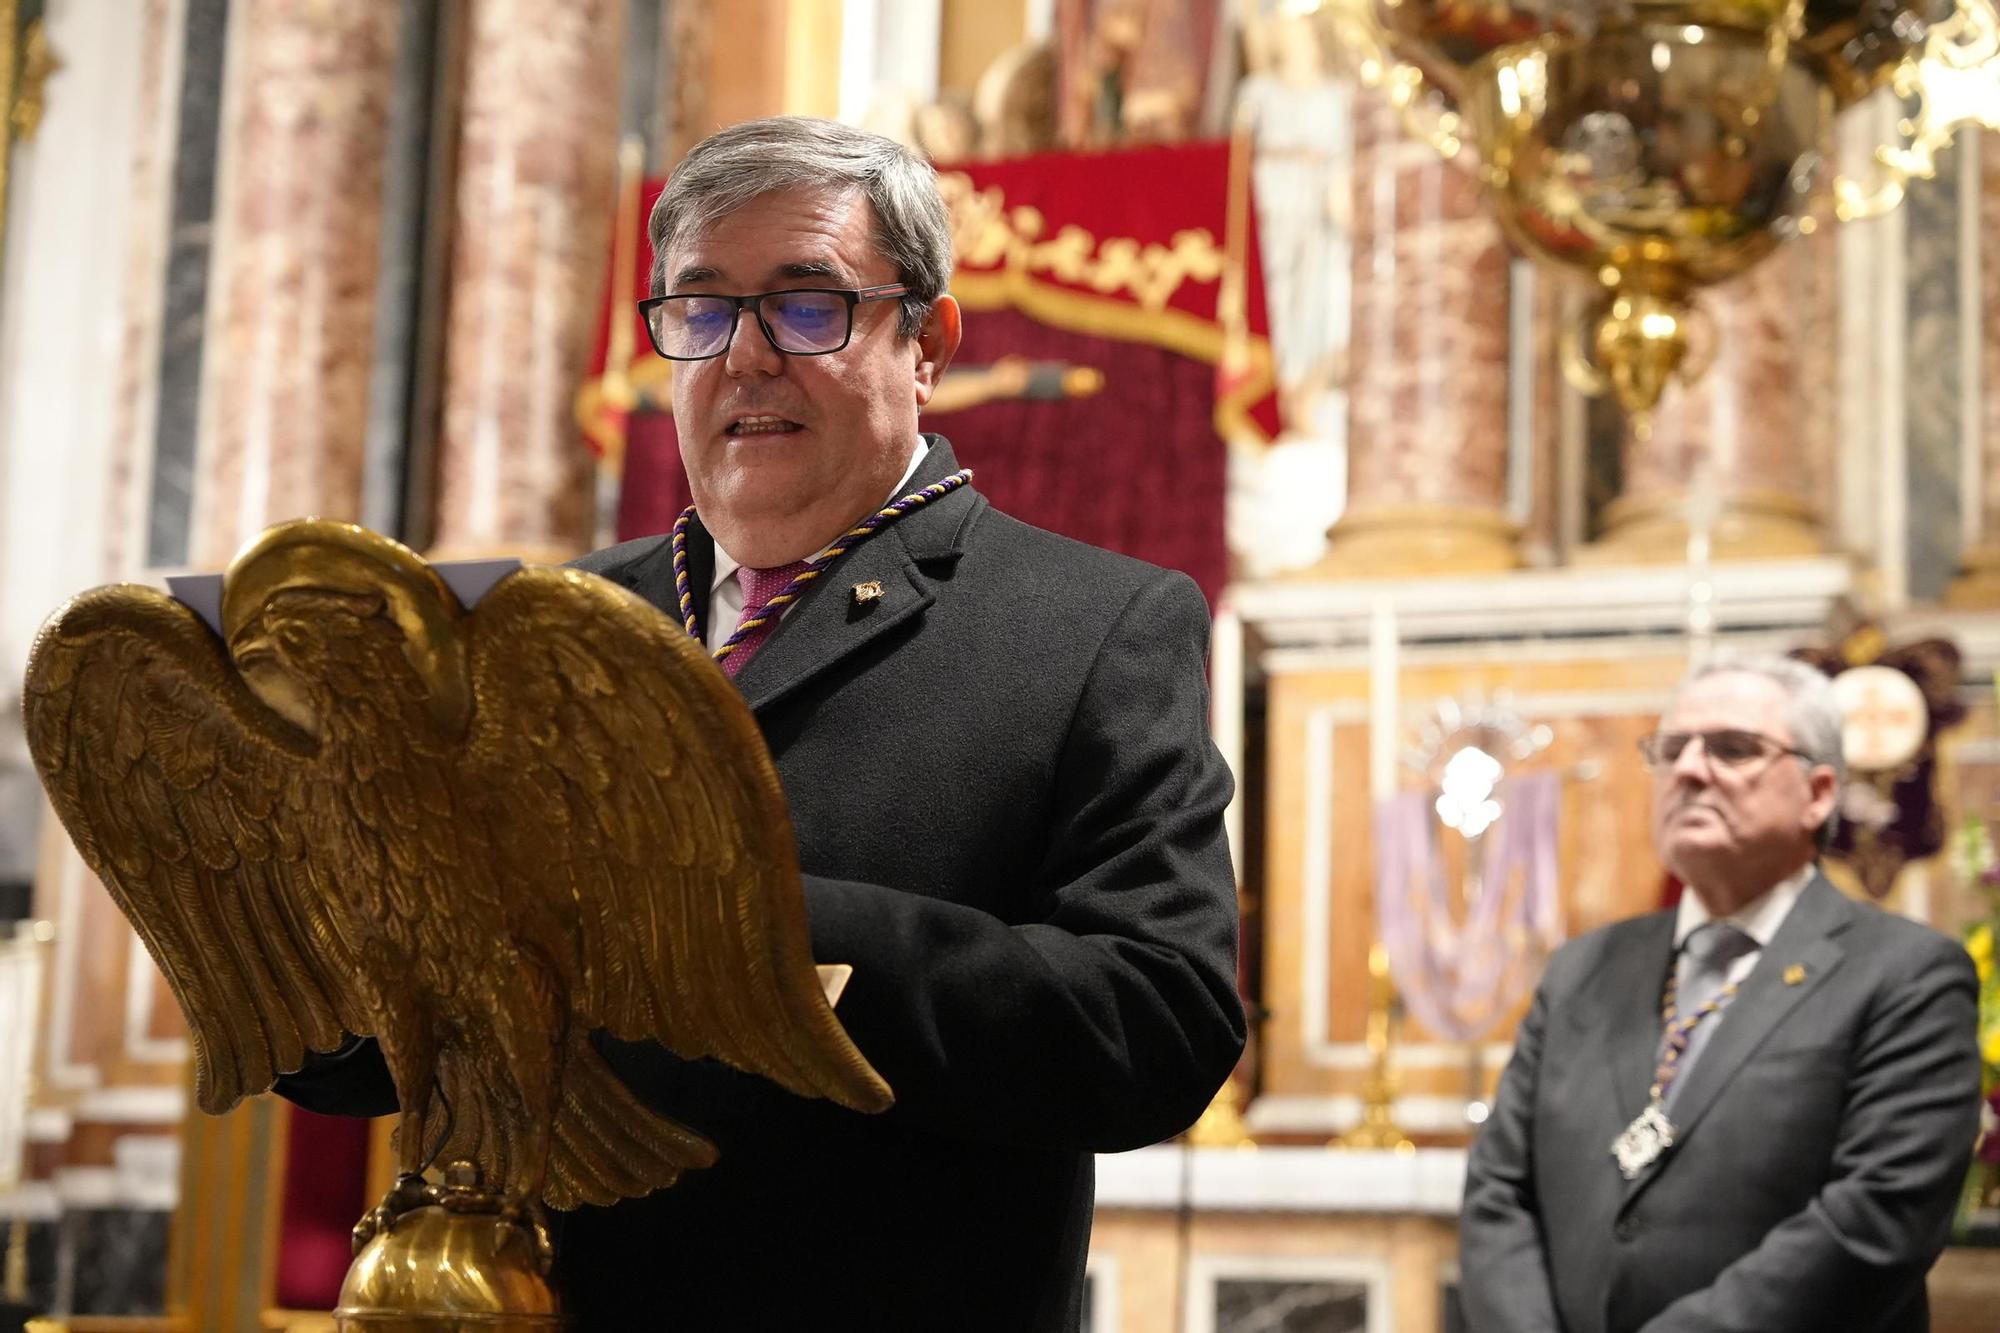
{"x": 38, "y": 62}
{"x": 474, "y": 835}
{"x": 1661, "y": 146}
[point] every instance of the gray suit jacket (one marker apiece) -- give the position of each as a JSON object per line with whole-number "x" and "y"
{"x": 1823, "y": 1138}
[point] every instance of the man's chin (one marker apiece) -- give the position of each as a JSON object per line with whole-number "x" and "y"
{"x": 1688, "y": 857}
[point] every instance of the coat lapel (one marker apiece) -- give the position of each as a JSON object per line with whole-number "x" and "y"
{"x": 830, "y": 623}
{"x": 1805, "y": 941}
{"x": 652, "y": 576}
{"x": 1632, "y": 1029}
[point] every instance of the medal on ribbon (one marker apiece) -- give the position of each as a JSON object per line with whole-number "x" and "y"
{"x": 1651, "y": 1134}
{"x": 1644, "y": 1141}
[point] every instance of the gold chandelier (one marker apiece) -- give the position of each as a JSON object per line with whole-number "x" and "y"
{"x": 1661, "y": 146}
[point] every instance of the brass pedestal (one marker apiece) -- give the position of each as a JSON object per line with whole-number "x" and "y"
{"x": 461, "y": 1263}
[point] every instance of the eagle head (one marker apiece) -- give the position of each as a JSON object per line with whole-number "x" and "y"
{"x": 314, "y": 612}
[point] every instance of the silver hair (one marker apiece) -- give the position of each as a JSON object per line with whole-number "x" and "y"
{"x": 1813, "y": 715}
{"x": 730, "y": 168}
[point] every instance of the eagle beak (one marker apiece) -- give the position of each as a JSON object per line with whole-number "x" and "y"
{"x": 250, "y": 650}
{"x": 257, "y": 662}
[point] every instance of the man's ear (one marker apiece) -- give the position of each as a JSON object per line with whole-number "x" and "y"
{"x": 1825, "y": 792}
{"x": 936, "y": 342}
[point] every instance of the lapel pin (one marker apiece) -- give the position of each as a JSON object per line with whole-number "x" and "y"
{"x": 1794, "y": 974}
{"x": 871, "y": 591}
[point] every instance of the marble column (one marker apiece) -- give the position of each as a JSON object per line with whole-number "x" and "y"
{"x": 1427, "y": 406}
{"x": 292, "y": 311}
{"x": 530, "y": 247}
{"x": 1758, "y": 422}
{"x": 1978, "y": 584}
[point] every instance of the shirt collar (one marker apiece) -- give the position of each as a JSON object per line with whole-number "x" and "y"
{"x": 726, "y": 564}
{"x": 1759, "y": 918}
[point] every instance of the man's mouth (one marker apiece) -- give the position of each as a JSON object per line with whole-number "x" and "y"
{"x": 762, "y": 425}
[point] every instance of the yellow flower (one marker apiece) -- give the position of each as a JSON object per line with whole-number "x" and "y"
{"x": 1989, "y": 1049}
{"x": 1980, "y": 945}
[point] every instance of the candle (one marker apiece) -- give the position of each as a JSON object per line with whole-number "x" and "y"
{"x": 1383, "y": 703}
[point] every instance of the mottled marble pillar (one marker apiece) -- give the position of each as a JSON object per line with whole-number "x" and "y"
{"x": 1988, "y": 167}
{"x": 1427, "y": 410}
{"x": 530, "y": 246}
{"x": 292, "y": 310}
{"x": 1978, "y": 584}
{"x": 1760, "y": 419}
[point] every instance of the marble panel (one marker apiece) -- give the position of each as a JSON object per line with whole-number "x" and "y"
{"x": 116, "y": 1261}
{"x": 41, "y": 1242}
{"x": 149, "y": 203}
{"x": 529, "y": 249}
{"x": 1750, "y": 414}
{"x": 184, "y": 305}
{"x": 1932, "y": 370}
{"x": 1988, "y": 167}
{"x": 1277, "y": 1305}
{"x": 402, "y": 293}
{"x": 1428, "y": 405}
{"x": 286, "y": 373}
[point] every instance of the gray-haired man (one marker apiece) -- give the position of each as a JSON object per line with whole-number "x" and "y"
{"x": 1754, "y": 1112}
{"x": 994, "y": 747}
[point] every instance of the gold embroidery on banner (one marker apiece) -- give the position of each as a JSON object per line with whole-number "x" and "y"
{"x": 1003, "y": 264}
{"x": 987, "y": 234}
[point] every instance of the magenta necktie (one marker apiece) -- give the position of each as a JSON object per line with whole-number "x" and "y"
{"x": 759, "y": 587}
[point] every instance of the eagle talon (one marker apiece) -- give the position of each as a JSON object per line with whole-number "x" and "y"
{"x": 527, "y": 1212}
{"x": 409, "y": 1193}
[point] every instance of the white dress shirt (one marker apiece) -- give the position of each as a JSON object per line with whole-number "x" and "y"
{"x": 725, "y": 589}
{"x": 1759, "y": 918}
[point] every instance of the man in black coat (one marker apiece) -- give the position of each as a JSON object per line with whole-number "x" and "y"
{"x": 1786, "y": 1156}
{"x": 993, "y": 742}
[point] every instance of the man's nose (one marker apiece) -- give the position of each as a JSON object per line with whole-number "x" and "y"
{"x": 750, "y": 352}
{"x": 1691, "y": 764}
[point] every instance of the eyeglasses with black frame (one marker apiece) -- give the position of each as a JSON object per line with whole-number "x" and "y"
{"x": 1731, "y": 747}
{"x": 799, "y": 321}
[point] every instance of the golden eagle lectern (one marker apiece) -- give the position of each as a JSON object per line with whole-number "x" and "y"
{"x": 474, "y": 835}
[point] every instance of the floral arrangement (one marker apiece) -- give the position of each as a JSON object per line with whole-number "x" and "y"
{"x": 1981, "y": 866}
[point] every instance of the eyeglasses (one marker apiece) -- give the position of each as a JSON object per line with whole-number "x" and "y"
{"x": 1727, "y": 746}
{"x": 803, "y": 321}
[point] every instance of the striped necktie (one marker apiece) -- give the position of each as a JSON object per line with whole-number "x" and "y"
{"x": 759, "y": 587}
{"x": 1711, "y": 951}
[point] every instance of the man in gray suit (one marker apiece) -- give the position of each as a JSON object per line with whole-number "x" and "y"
{"x": 1754, "y": 1112}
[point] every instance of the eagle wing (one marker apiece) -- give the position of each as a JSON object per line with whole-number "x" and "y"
{"x": 672, "y": 855}
{"x": 170, "y": 777}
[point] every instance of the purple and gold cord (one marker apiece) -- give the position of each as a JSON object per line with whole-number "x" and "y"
{"x": 1680, "y": 1031}
{"x": 847, "y": 541}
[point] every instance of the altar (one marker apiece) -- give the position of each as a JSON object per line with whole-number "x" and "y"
{"x": 1230, "y": 1237}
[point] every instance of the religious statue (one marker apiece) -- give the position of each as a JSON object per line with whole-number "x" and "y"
{"x": 1134, "y": 70}
{"x": 1014, "y": 103}
{"x": 1297, "y": 117}
{"x": 356, "y": 807}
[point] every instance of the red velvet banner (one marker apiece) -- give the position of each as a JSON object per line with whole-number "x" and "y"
{"x": 325, "y": 1193}
{"x": 1155, "y": 246}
